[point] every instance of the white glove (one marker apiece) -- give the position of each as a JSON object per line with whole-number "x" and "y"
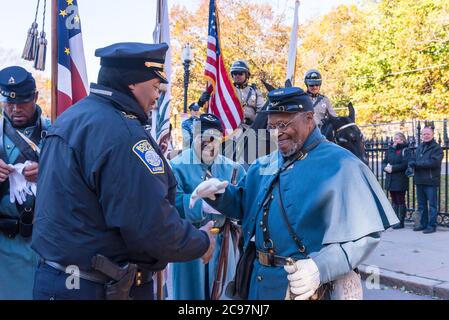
{"x": 304, "y": 279}
{"x": 18, "y": 186}
{"x": 207, "y": 189}
{"x": 32, "y": 186}
{"x": 208, "y": 209}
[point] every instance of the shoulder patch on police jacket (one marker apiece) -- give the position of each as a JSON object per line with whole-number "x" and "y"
{"x": 149, "y": 157}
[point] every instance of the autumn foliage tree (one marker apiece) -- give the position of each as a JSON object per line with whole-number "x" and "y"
{"x": 390, "y": 58}
{"x": 249, "y": 31}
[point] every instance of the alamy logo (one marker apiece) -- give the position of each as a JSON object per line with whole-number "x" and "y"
{"x": 73, "y": 281}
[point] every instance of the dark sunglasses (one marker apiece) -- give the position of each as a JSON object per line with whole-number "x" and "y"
{"x": 238, "y": 73}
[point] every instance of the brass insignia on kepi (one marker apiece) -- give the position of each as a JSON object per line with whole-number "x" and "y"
{"x": 146, "y": 153}
{"x": 11, "y": 80}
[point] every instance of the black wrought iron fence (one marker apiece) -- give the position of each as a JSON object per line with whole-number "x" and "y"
{"x": 376, "y": 148}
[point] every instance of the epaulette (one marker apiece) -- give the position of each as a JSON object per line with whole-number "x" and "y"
{"x": 129, "y": 116}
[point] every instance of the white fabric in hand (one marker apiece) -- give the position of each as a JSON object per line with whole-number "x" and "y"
{"x": 208, "y": 189}
{"x": 304, "y": 278}
{"x": 208, "y": 209}
{"x": 18, "y": 185}
{"x": 32, "y": 186}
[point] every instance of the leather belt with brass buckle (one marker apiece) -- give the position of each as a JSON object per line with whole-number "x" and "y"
{"x": 270, "y": 260}
{"x": 142, "y": 276}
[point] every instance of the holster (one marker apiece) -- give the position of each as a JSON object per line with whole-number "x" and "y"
{"x": 122, "y": 277}
{"x": 26, "y": 222}
{"x": 12, "y": 226}
{"x": 9, "y": 226}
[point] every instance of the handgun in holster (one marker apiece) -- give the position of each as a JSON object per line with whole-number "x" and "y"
{"x": 122, "y": 277}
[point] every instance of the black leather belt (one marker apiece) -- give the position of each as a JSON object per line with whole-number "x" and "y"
{"x": 142, "y": 276}
{"x": 270, "y": 260}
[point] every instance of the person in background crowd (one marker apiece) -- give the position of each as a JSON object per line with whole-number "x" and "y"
{"x": 395, "y": 164}
{"x": 427, "y": 171}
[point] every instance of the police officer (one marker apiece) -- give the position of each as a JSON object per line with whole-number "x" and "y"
{"x": 302, "y": 206}
{"x": 107, "y": 200}
{"x": 187, "y": 125}
{"x": 321, "y": 104}
{"x": 250, "y": 97}
{"x": 21, "y": 130}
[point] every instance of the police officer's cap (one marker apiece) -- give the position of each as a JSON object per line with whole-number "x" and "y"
{"x": 135, "y": 56}
{"x": 207, "y": 122}
{"x": 194, "y": 106}
{"x": 17, "y": 85}
{"x": 288, "y": 100}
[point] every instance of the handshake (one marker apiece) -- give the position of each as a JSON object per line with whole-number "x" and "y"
{"x": 208, "y": 189}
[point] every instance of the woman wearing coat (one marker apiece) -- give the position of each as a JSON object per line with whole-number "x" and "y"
{"x": 395, "y": 164}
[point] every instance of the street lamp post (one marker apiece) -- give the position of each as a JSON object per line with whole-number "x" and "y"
{"x": 187, "y": 57}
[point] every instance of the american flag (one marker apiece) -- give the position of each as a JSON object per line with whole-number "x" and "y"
{"x": 224, "y": 102}
{"x": 72, "y": 74}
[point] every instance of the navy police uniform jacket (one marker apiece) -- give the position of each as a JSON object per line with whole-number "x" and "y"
{"x": 105, "y": 188}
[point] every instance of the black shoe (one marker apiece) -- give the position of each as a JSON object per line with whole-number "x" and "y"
{"x": 419, "y": 228}
{"x": 430, "y": 230}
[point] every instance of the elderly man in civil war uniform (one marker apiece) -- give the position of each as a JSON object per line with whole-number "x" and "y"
{"x": 106, "y": 207}
{"x": 21, "y": 128}
{"x": 314, "y": 210}
{"x": 193, "y": 280}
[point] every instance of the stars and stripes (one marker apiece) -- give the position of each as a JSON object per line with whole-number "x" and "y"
{"x": 224, "y": 102}
{"x": 72, "y": 74}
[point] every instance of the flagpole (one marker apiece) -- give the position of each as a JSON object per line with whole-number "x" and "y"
{"x": 54, "y": 59}
{"x": 292, "y": 55}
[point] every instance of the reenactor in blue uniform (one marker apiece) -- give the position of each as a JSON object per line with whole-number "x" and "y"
{"x": 193, "y": 280}
{"x": 106, "y": 207}
{"x": 21, "y": 128}
{"x": 315, "y": 210}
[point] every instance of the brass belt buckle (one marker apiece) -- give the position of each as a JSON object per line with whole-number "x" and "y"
{"x": 263, "y": 259}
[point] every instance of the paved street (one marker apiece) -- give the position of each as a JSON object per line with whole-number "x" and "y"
{"x": 388, "y": 293}
{"x": 413, "y": 260}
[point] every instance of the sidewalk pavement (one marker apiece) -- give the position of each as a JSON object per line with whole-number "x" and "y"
{"x": 412, "y": 260}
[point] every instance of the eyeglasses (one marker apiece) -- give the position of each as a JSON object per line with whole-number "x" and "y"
{"x": 314, "y": 85}
{"x": 283, "y": 125}
{"x": 238, "y": 73}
